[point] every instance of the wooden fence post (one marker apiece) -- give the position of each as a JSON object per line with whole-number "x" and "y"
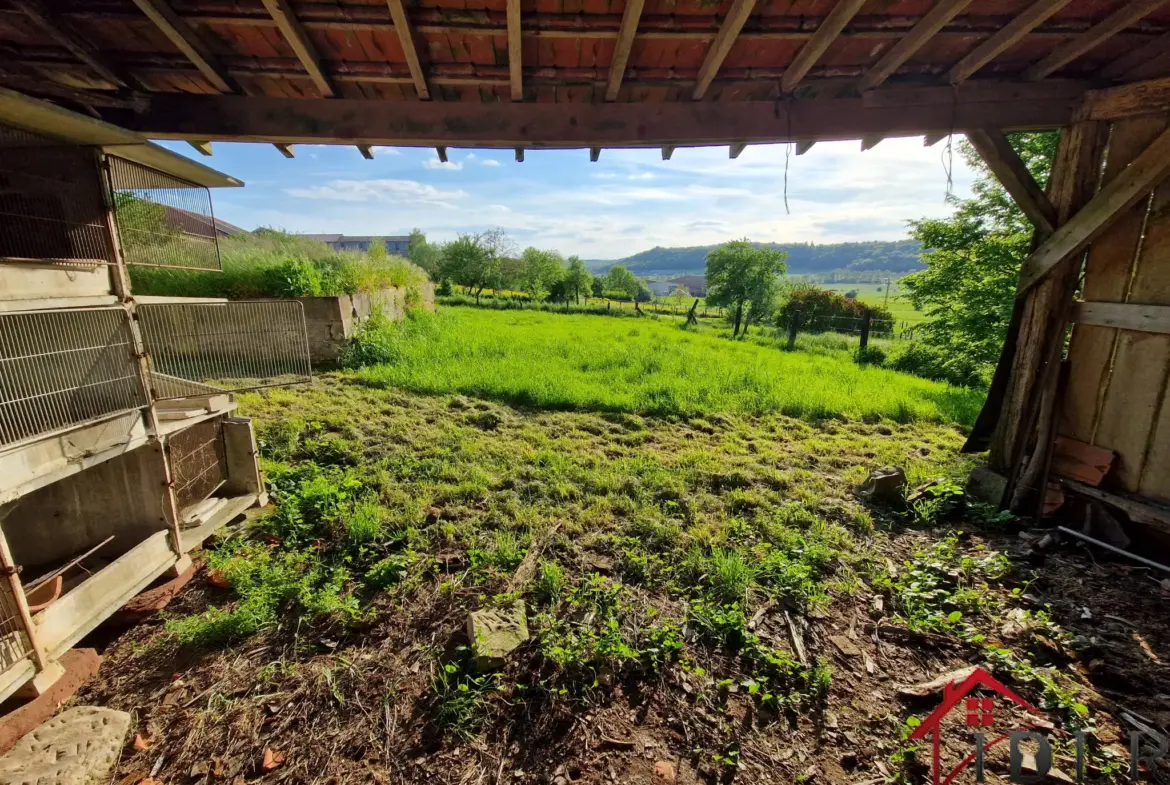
{"x": 792, "y": 322}
{"x": 866, "y": 316}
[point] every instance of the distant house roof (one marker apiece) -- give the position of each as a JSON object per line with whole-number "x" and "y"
{"x": 190, "y": 222}
{"x": 357, "y": 238}
{"x": 691, "y": 281}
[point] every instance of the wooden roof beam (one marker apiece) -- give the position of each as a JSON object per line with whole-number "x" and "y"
{"x": 621, "y": 51}
{"x": 179, "y": 33}
{"x": 1009, "y": 36}
{"x": 441, "y": 151}
{"x": 1130, "y": 12}
{"x": 804, "y": 146}
{"x": 594, "y": 154}
{"x": 721, "y": 46}
{"x": 285, "y": 149}
{"x": 734, "y": 150}
{"x": 515, "y": 51}
{"x": 203, "y": 147}
{"x": 667, "y": 152}
{"x": 519, "y": 155}
{"x": 822, "y": 39}
{"x": 995, "y": 150}
{"x": 935, "y": 19}
{"x": 406, "y": 39}
{"x": 293, "y": 32}
{"x": 45, "y": 20}
{"x": 1118, "y": 195}
{"x": 367, "y": 151}
{"x": 1128, "y": 100}
{"x": 1125, "y": 66}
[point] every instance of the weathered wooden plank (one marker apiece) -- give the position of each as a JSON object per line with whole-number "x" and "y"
{"x": 824, "y": 37}
{"x": 176, "y": 29}
{"x": 515, "y": 51}
{"x": 1124, "y": 316}
{"x": 1151, "y": 97}
{"x": 621, "y": 50}
{"x": 1004, "y": 39}
{"x": 724, "y": 40}
{"x": 293, "y": 32}
{"x": 1129, "y": 13}
{"x": 1108, "y": 269}
{"x": 1150, "y": 512}
{"x": 904, "y": 112}
{"x": 406, "y": 39}
{"x": 995, "y": 150}
{"x": 1146, "y": 171}
{"x": 934, "y": 20}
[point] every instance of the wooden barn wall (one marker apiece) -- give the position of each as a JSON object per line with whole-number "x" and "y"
{"x": 1117, "y": 389}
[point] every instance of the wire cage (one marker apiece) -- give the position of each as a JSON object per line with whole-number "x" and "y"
{"x": 198, "y": 462}
{"x": 14, "y": 636}
{"x": 62, "y": 368}
{"x": 229, "y": 346}
{"x": 162, "y": 221}
{"x": 52, "y": 206}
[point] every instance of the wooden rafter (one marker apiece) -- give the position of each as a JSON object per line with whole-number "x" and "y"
{"x": 804, "y": 146}
{"x": 594, "y": 154}
{"x": 721, "y": 46}
{"x": 367, "y": 151}
{"x": 1129, "y": 13}
{"x": 621, "y": 51}
{"x": 406, "y": 39}
{"x": 515, "y": 51}
{"x": 995, "y": 150}
{"x": 45, "y": 20}
{"x": 931, "y": 139}
{"x": 1124, "y": 66}
{"x": 1004, "y": 39}
{"x": 942, "y": 12}
{"x": 822, "y": 39}
{"x": 179, "y": 33}
{"x": 1121, "y": 193}
{"x": 871, "y": 141}
{"x": 298, "y": 39}
{"x": 667, "y": 152}
{"x": 441, "y": 151}
{"x": 519, "y": 155}
{"x": 203, "y": 147}
{"x": 285, "y": 149}
{"x": 890, "y": 111}
{"x": 734, "y": 150}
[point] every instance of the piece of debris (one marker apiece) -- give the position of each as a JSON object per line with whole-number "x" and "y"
{"x": 936, "y": 685}
{"x": 870, "y": 665}
{"x": 846, "y": 646}
{"x": 495, "y": 632}
{"x": 1028, "y": 765}
{"x": 665, "y": 770}
{"x": 1086, "y": 614}
{"x": 797, "y": 640}
{"x": 140, "y": 743}
{"x": 80, "y": 745}
{"x": 883, "y": 485}
{"x": 272, "y": 759}
{"x": 1080, "y": 461}
{"x": 527, "y": 568}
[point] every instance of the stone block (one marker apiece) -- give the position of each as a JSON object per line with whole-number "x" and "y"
{"x": 78, "y": 747}
{"x": 495, "y": 632}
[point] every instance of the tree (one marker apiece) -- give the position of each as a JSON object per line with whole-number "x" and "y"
{"x": 741, "y": 276}
{"x": 598, "y": 287}
{"x": 540, "y": 271}
{"x": 622, "y": 282}
{"x": 969, "y": 284}
{"x": 680, "y": 293}
{"x": 427, "y": 256}
{"x": 578, "y": 279}
{"x": 473, "y": 260}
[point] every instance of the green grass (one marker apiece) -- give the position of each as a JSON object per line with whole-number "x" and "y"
{"x": 644, "y": 366}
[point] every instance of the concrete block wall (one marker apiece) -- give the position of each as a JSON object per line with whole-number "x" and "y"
{"x": 331, "y": 321}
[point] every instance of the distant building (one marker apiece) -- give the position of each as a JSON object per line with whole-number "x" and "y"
{"x": 197, "y": 224}
{"x": 696, "y": 284}
{"x": 660, "y": 288}
{"x": 349, "y": 242}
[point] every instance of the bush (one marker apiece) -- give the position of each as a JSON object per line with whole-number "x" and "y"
{"x": 930, "y": 363}
{"x": 814, "y": 309}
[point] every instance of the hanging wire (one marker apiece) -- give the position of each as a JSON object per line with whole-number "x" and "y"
{"x": 949, "y": 152}
{"x": 787, "y": 150}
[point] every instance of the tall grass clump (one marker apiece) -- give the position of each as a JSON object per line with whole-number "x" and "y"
{"x": 578, "y": 362}
{"x": 269, "y": 263}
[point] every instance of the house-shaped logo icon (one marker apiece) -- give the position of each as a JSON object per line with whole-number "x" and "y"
{"x": 979, "y": 714}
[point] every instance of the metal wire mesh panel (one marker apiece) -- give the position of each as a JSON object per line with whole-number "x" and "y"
{"x": 14, "y": 640}
{"x": 51, "y": 204}
{"x": 198, "y": 462}
{"x": 232, "y": 346}
{"x": 62, "y": 368}
{"x": 162, "y": 221}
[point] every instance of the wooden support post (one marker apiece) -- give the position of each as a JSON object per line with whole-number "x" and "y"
{"x": 995, "y": 150}
{"x": 515, "y": 51}
{"x": 621, "y": 51}
{"x": 823, "y": 38}
{"x": 367, "y": 151}
{"x": 792, "y": 327}
{"x": 1019, "y": 447}
{"x": 866, "y": 320}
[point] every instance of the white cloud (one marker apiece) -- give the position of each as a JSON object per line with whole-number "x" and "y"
{"x": 388, "y": 191}
{"x": 383, "y": 150}
{"x": 435, "y": 163}
{"x": 642, "y": 176}
{"x": 490, "y": 162}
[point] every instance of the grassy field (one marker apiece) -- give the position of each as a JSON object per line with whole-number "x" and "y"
{"x": 875, "y": 294}
{"x": 707, "y": 598}
{"x": 645, "y": 366}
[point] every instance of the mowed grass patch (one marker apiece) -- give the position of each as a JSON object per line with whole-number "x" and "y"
{"x": 645, "y": 366}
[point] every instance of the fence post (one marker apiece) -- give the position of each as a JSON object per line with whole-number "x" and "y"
{"x": 865, "y": 318}
{"x": 792, "y": 322}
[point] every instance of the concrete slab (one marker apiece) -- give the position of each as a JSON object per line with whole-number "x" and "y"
{"x": 78, "y": 747}
{"x": 79, "y": 665}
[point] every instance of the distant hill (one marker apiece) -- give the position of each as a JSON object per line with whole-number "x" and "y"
{"x": 803, "y": 258}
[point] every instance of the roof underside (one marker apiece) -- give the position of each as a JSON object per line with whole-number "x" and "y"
{"x": 111, "y": 55}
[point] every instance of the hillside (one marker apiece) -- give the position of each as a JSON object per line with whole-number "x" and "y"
{"x": 803, "y": 258}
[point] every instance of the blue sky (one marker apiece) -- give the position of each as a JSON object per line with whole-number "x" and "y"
{"x": 627, "y": 202}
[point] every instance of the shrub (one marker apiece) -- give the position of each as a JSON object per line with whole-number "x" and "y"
{"x": 930, "y": 363}
{"x": 814, "y": 309}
